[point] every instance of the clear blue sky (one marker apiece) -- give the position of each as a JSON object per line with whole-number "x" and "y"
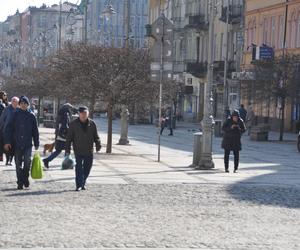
{"x": 9, "y": 7}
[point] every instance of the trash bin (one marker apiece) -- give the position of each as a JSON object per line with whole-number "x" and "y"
{"x": 218, "y": 128}
{"x": 198, "y": 138}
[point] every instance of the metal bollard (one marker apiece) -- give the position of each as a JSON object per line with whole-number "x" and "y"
{"x": 198, "y": 140}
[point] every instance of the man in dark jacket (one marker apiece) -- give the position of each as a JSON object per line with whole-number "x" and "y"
{"x": 233, "y": 128}
{"x": 83, "y": 134}
{"x": 243, "y": 112}
{"x": 62, "y": 125}
{"x": 5, "y": 119}
{"x": 20, "y": 132}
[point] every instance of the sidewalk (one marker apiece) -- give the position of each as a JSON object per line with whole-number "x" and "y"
{"x": 274, "y": 162}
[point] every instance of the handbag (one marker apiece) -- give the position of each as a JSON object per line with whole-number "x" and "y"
{"x": 36, "y": 167}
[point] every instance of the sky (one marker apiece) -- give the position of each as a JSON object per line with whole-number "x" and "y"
{"x": 9, "y": 7}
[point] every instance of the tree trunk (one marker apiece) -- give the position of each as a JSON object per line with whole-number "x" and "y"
{"x": 109, "y": 127}
{"x": 282, "y": 119}
{"x": 92, "y": 105}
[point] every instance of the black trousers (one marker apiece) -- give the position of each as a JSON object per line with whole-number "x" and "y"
{"x": 236, "y": 154}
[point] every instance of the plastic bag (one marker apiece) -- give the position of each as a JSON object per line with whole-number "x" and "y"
{"x": 67, "y": 163}
{"x": 36, "y": 167}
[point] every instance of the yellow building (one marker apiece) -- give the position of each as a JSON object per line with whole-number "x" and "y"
{"x": 265, "y": 23}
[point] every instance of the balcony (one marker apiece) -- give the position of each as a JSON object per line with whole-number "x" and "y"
{"x": 197, "y": 22}
{"x": 178, "y": 67}
{"x": 197, "y": 69}
{"x": 235, "y": 14}
{"x": 219, "y": 66}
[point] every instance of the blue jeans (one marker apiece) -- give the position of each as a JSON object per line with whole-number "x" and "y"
{"x": 23, "y": 162}
{"x": 59, "y": 146}
{"x": 83, "y": 169}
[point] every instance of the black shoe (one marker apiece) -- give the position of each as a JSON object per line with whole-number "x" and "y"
{"x": 46, "y": 163}
{"x": 235, "y": 171}
{"x": 20, "y": 187}
{"x": 170, "y": 134}
{"x": 83, "y": 188}
{"x": 6, "y": 164}
{"x": 226, "y": 171}
{"x": 26, "y": 184}
{"x": 78, "y": 189}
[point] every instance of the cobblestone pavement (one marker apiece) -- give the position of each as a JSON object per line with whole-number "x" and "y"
{"x": 203, "y": 211}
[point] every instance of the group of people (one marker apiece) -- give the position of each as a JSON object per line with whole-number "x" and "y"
{"x": 19, "y": 133}
{"x": 233, "y": 128}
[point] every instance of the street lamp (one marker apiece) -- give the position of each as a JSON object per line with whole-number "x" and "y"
{"x": 206, "y": 161}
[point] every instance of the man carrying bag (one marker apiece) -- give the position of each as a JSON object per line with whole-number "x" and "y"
{"x": 20, "y": 132}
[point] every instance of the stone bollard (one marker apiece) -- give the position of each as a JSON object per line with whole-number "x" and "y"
{"x": 198, "y": 140}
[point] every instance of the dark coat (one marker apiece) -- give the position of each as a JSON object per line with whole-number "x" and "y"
{"x": 83, "y": 139}
{"x": 62, "y": 123}
{"x": 243, "y": 113}
{"x": 6, "y": 117}
{"x": 232, "y": 136}
{"x": 21, "y": 130}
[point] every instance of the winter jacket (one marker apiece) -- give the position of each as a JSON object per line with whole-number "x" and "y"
{"x": 2, "y": 107}
{"x": 83, "y": 138}
{"x": 232, "y": 136}
{"x": 243, "y": 113}
{"x": 21, "y": 130}
{"x": 6, "y": 117}
{"x": 63, "y": 123}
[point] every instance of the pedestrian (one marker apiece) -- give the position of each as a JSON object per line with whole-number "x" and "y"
{"x": 63, "y": 120}
{"x": 233, "y": 128}
{"x": 162, "y": 123}
{"x": 5, "y": 118}
{"x": 18, "y": 134}
{"x": 3, "y": 98}
{"x": 83, "y": 134}
{"x": 168, "y": 122}
{"x": 2, "y": 107}
{"x": 250, "y": 119}
{"x": 243, "y": 112}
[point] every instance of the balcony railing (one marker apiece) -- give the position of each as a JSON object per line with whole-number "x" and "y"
{"x": 197, "y": 69}
{"x": 235, "y": 14}
{"x": 197, "y": 22}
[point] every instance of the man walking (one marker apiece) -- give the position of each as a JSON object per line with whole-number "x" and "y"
{"x": 243, "y": 112}
{"x": 19, "y": 133}
{"x": 83, "y": 134}
{"x": 5, "y": 118}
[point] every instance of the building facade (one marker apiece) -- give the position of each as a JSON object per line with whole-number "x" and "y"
{"x": 27, "y": 38}
{"x": 190, "y": 50}
{"x": 265, "y": 25}
{"x": 112, "y": 30}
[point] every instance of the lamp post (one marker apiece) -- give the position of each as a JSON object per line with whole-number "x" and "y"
{"x": 206, "y": 161}
{"x": 162, "y": 16}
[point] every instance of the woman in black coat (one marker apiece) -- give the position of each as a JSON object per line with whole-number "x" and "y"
{"x": 233, "y": 129}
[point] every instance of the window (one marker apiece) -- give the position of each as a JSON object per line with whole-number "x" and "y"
{"x": 298, "y": 32}
{"x": 293, "y": 32}
{"x": 281, "y": 32}
{"x": 265, "y": 31}
{"x": 273, "y": 31}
